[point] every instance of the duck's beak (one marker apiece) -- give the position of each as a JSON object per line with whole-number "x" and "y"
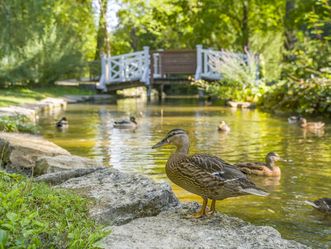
{"x": 161, "y": 143}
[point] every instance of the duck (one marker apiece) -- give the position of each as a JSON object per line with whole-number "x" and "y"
{"x": 62, "y": 123}
{"x": 293, "y": 119}
{"x": 205, "y": 175}
{"x": 267, "y": 168}
{"x": 323, "y": 205}
{"x": 223, "y": 127}
{"x": 126, "y": 124}
{"x": 311, "y": 125}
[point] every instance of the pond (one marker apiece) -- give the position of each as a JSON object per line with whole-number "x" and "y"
{"x": 253, "y": 134}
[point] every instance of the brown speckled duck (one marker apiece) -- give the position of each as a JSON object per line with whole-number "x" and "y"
{"x": 223, "y": 127}
{"x": 269, "y": 168}
{"x": 323, "y": 205}
{"x": 207, "y": 176}
{"x": 311, "y": 125}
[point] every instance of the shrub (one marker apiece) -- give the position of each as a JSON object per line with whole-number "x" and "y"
{"x": 311, "y": 96}
{"x": 18, "y": 123}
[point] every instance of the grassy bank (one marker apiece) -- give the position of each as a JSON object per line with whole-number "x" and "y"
{"x": 21, "y": 95}
{"x": 33, "y": 215}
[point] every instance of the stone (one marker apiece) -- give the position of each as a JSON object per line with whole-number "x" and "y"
{"x": 172, "y": 229}
{"x": 50, "y": 164}
{"x": 21, "y": 151}
{"x": 59, "y": 177}
{"x": 121, "y": 197}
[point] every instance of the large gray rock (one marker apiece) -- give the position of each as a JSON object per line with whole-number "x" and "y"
{"x": 21, "y": 151}
{"x": 59, "y": 177}
{"x": 171, "y": 230}
{"x": 47, "y": 164}
{"x": 121, "y": 197}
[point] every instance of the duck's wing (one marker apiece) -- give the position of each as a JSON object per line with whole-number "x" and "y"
{"x": 216, "y": 165}
{"x": 213, "y": 172}
{"x": 251, "y": 165}
{"x": 121, "y": 122}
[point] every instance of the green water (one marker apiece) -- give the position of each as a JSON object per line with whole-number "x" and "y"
{"x": 253, "y": 134}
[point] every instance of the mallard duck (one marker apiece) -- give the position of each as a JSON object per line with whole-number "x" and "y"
{"x": 269, "y": 168}
{"x": 311, "y": 125}
{"x": 293, "y": 119}
{"x": 126, "y": 124}
{"x": 223, "y": 127}
{"x": 207, "y": 176}
{"x": 323, "y": 205}
{"x": 62, "y": 123}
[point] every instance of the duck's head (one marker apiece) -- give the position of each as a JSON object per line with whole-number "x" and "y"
{"x": 133, "y": 119}
{"x": 303, "y": 121}
{"x": 64, "y": 119}
{"x": 273, "y": 157}
{"x": 177, "y": 137}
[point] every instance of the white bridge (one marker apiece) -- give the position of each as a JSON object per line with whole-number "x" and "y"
{"x": 149, "y": 67}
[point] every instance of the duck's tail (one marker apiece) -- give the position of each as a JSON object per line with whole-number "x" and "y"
{"x": 255, "y": 191}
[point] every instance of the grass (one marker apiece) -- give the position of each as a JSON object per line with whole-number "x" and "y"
{"x": 33, "y": 215}
{"x": 20, "y": 95}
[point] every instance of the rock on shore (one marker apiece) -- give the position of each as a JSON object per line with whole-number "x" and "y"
{"x": 173, "y": 230}
{"x": 26, "y": 153}
{"x": 121, "y": 197}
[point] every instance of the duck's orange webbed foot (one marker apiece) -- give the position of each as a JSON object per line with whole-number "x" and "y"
{"x": 202, "y": 212}
{"x": 212, "y": 208}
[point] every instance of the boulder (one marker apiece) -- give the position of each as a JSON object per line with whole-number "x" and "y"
{"x": 121, "y": 197}
{"x": 21, "y": 151}
{"x": 59, "y": 177}
{"x": 47, "y": 164}
{"x": 172, "y": 229}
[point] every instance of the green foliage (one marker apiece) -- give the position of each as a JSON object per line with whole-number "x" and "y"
{"x": 18, "y": 123}
{"x": 40, "y": 41}
{"x": 309, "y": 58}
{"x": 32, "y": 215}
{"x": 312, "y": 96}
{"x": 239, "y": 73}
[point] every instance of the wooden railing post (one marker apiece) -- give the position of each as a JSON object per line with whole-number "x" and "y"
{"x": 147, "y": 71}
{"x": 199, "y": 63}
{"x": 102, "y": 81}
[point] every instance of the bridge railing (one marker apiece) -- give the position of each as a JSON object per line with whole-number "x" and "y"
{"x": 123, "y": 68}
{"x": 208, "y": 62}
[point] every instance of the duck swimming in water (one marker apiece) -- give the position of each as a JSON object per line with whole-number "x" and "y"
{"x": 223, "y": 127}
{"x": 62, "y": 123}
{"x": 205, "y": 175}
{"x": 126, "y": 124}
{"x": 323, "y": 205}
{"x": 269, "y": 168}
{"x": 293, "y": 119}
{"x": 311, "y": 125}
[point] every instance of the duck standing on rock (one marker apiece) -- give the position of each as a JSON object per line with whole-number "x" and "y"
{"x": 223, "y": 127}
{"x": 269, "y": 168}
{"x": 311, "y": 125}
{"x": 207, "y": 176}
{"x": 126, "y": 124}
{"x": 62, "y": 123}
{"x": 323, "y": 205}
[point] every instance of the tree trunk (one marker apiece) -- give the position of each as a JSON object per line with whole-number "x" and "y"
{"x": 290, "y": 38}
{"x": 244, "y": 26}
{"x": 103, "y": 43}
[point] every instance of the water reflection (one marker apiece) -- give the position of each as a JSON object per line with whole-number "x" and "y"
{"x": 253, "y": 134}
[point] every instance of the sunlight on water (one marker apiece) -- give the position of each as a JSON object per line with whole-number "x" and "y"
{"x": 253, "y": 134}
